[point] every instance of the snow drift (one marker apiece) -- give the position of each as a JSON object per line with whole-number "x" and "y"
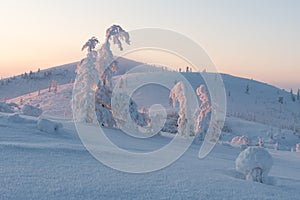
{"x": 48, "y": 126}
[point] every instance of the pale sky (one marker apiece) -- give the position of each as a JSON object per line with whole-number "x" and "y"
{"x": 257, "y": 39}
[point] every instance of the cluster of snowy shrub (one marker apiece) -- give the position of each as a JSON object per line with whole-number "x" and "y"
{"x": 27, "y": 109}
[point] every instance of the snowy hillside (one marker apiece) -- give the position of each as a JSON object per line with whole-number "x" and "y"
{"x": 260, "y": 107}
{"x": 260, "y": 104}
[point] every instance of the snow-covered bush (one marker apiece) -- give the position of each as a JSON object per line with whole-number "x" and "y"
{"x": 4, "y": 107}
{"x": 48, "y": 126}
{"x": 31, "y": 110}
{"x": 255, "y": 163}
{"x": 240, "y": 140}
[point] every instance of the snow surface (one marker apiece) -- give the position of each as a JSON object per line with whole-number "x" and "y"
{"x": 38, "y": 165}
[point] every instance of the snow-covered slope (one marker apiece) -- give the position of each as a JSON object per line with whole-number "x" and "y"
{"x": 260, "y": 104}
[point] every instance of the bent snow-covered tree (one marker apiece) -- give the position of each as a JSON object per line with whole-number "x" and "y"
{"x": 177, "y": 94}
{"x": 90, "y": 44}
{"x": 106, "y": 66}
{"x": 85, "y": 86}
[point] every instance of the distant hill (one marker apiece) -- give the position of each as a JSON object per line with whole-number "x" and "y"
{"x": 259, "y": 104}
{"x": 19, "y": 85}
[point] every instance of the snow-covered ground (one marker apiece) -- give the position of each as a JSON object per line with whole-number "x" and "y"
{"x": 55, "y": 165}
{"x": 39, "y": 165}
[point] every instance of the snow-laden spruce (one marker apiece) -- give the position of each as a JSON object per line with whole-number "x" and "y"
{"x": 255, "y": 163}
{"x": 106, "y": 66}
{"x": 86, "y": 84}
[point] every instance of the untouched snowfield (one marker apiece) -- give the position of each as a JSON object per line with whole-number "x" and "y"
{"x": 38, "y": 165}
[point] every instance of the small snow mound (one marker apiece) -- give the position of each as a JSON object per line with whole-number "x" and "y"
{"x": 4, "y": 107}
{"x": 31, "y": 110}
{"x": 255, "y": 163}
{"x": 48, "y": 126}
{"x": 240, "y": 141}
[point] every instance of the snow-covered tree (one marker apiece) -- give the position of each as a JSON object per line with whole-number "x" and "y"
{"x": 298, "y": 147}
{"x": 86, "y": 84}
{"x": 106, "y": 66}
{"x": 247, "y": 89}
{"x": 177, "y": 94}
{"x": 203, "y": 110}
{"x": 298, "y": 95}
{"x": 261, "y": 142}
{"x": 125, "y": 112}
{"x": 276, "y": 146}
{"x": 103, "y": 106}
{"x": 292, "y": 95}
{"x": 90, "y": 44}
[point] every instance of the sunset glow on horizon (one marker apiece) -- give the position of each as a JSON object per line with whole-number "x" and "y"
{"x": 252, "y": 39}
